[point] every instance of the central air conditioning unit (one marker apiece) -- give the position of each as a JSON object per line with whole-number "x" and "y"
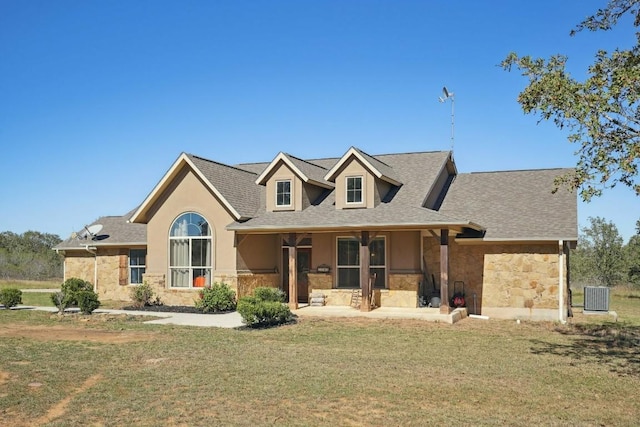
{"x": 596, "y": 298}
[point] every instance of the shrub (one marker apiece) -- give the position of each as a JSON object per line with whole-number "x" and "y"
{"x": 141, "y": 295}
{"x": 264, "y": 308}
{"x": 87, "y": 301}
{"x": 10, "y": 297}
{"x": 269, "y": 294}
{"x": 71, "y": 287}
{"x": 216, "y": 298}
{"x": 58, "y": 299}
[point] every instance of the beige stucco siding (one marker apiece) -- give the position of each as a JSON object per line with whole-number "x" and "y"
{"x": 323, "y": 250}
{"x": 259, "y": 252}
{"x": 189, "y": 194}
{"x": 282, "y": 172}
{"x": 404, "y": 251}
{"x": 354, "y": 168}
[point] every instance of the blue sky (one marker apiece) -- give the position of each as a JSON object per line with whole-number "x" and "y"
{"x": 99, "y": 98}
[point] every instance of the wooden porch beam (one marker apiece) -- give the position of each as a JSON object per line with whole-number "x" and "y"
{"x": 365, "y": 284}
{"x": 293, "y": 276}
{"x": 444, "y": 272}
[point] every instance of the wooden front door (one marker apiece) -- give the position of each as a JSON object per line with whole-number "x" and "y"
{"x": 303, "y": 264}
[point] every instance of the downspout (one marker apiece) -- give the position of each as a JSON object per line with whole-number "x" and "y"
{"x": 560, "y": 280}
{"x": 64, "y": 263}
{"x": 92, "y": 250}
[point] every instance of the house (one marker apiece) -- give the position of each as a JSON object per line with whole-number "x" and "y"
{"x": 406, "y": 229}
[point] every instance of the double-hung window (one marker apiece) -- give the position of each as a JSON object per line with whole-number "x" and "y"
{"x": 348, "y": 262}
{"x": 354, "y": 189}
{"x": 190, "y": 251}
{"x": 137, "y": 265}
{"x": 283, "y": 193}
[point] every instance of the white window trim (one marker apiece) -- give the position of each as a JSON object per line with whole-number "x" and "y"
{"x": 346, "y": 190}
{"x": 290, "y": 181}
{"x": 211, "y": 268}
{"x": 131, "y": 267}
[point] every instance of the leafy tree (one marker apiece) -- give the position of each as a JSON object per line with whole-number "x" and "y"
{"x": 602, "y": 112}
{"x": 603, "y": 250}
{"x": 633, "y": 257}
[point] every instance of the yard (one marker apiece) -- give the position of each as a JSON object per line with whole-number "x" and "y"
{"x": 115, "y": 370}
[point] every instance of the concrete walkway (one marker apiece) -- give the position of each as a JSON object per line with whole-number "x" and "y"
{"x": 224, "y": 320}
{"x": 234, "y": 320}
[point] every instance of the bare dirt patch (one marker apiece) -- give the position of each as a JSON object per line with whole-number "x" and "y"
{"x": 4, "y": 376}
{"x": 60, "y": 408}
{"x": 66, "y": 333}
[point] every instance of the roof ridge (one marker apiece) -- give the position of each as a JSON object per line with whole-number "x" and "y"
{"x": 220, "y": 163}
{"x": 303, "y": 160}
{"x": 518, "y": 170}
{"x": 372, "y": 156}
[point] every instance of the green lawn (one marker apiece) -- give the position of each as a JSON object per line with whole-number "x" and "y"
{"x": 30, "y": 284}
{"x": 101, "y": 370}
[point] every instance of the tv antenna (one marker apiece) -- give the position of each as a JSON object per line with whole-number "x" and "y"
{"x": 449, "y": 95}
{"x": 90, "y": 231}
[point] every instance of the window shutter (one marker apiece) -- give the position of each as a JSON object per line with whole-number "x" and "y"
{"x": 124, "y": 270}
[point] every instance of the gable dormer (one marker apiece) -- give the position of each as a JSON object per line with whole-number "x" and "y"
{"x": 292, "y": 184}
{"x": 361, "y": 180}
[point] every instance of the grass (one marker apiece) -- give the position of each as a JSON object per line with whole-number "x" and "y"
{"x": 31, "y": 284}
{"x": 115, "y": 370}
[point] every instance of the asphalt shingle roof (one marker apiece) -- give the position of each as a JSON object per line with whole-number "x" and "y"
{"x": 507, "y": 205}
{"x": 236, "y": 185}
{"x": 116, "y": 231}
{"x": 515, "y": 204}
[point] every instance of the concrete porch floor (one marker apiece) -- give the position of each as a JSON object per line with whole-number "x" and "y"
{"x": 423, "y": 313}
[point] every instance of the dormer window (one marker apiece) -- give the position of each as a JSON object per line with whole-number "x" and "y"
{"x": 354, "y": 189}
{"x": 283, "y": 193}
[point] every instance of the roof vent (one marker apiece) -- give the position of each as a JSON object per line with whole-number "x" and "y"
{"x": 596, "y": 298}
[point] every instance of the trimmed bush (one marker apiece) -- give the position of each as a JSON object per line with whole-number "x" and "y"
{"x": 269, "y": 294}
{"x": 264, "y": 308}
{"x": 10, "y": 297}
{"x": 87, "y": 301}
{"x": 216, "y": 298}
{"x": 141, "y": 295}
{"x": 71, "y": 287}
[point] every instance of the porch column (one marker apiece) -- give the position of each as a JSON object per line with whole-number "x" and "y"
{"x": 293, "y": 276}
{"x": 365, "y": 284}
{"x": 444, "y": 272}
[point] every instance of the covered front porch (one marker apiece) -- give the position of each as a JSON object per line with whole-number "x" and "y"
{"x": 390, "y": 268}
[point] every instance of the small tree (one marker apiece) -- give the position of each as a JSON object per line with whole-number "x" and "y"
{"x": 141, "y": 295}
{"x": 604, "y": 250}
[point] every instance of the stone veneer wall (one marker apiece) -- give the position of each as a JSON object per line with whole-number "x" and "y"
{"x": 508, "y": 280}
{"x": 80, "y": 266}
{"x": 402, "y": 291}
{"x": 247, "y": 282}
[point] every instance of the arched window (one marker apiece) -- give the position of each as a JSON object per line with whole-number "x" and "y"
{"x": 190, "y": 251}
